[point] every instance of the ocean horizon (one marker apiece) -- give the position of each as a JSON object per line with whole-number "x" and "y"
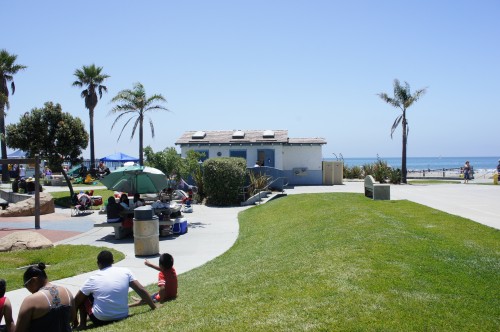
{"x": 426, "y": 163}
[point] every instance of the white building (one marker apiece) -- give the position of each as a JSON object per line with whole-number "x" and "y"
{"x": 300, "y": 159}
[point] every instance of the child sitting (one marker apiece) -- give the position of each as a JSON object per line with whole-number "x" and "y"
{"x": 167, "y": 281}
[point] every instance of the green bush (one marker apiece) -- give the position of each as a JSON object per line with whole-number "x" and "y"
{"x": 381, "y": 171}
{"x": 395, "y": 175}
{"x": 368, "y": 169}
{"x": 223, "y": 179}
{"x": 354, "y": 172}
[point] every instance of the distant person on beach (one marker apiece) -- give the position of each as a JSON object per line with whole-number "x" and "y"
{"x": 167, "y": 280}
{"x": 498, "y": 167}
{"x": 48, "y": 308}
{"x": 104, "y": 296}
{"x": 5, "y": 309}
{"x": 467, "y": 172}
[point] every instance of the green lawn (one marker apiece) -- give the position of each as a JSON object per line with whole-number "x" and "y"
{"x": 329, "y": 262}
{"x": 63, "y": 198}
{"x": 62, "y": 261}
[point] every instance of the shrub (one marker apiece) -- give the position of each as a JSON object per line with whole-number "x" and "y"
{"x": 368, "y": 169}
{"x": 257, "y": 182}
{"x": 223, "y": 179}
{"x": 356, "y": 172}
{"x": 395, "y": 175}
{"x": 381, "y": 170}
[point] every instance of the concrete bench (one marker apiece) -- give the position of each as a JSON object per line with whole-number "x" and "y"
{"x": 121, "y": 232}
{"x": 377, "y": 191}
{"x": 3, "y": 203}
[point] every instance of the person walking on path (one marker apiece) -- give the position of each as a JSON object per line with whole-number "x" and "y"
{"x": 48, "y": 308}
{"x": 104, "y": 296}
{"x": 467, "y": 171}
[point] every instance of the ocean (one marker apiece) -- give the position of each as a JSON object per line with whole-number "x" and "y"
{"x": 427, "y": 163}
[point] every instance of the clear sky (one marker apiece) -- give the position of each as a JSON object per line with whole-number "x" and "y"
{"x": 313, "y": 68}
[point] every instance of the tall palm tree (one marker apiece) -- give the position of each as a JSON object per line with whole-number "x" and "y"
{"x": 91, "y": 78}
{"x": 8, "y": 68}
{"x": 136, "y": 104}
{"x": 402, "y": 99}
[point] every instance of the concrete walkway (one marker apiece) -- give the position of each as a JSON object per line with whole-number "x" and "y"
{"x": 212, "y": 231}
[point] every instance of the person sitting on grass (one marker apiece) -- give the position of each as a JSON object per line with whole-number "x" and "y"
{"x": 167, "y": 281}
{"x": 5, "y": 309}
{"x": 104, "y": 296}
{"x": 48, "y": 308}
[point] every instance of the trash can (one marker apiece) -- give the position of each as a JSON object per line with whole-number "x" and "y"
{"x": 146, "y": 232}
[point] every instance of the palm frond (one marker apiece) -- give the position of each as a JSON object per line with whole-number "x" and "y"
{"x": 123, "y": 128}
{"x": 396, "y": 124}
{"x": 152, "y": 128}
{"x": 13, "y": 87}
{"x": 136, "y": 123}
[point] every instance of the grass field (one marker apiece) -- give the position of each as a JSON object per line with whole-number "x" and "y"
{"x": 62, "y": 261}
{"x": 330, "y": 262}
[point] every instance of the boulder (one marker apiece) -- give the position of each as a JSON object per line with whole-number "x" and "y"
{"x": 27, "y": 207}
{"x": 24, "y": 240}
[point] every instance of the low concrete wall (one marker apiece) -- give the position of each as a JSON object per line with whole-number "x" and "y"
{"x": 11, "y": 197}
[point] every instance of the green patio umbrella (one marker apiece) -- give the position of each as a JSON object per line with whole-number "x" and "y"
{"x": 136, "y": 179}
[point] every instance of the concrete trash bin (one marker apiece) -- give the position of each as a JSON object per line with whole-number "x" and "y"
{"x": 146, "y": 237}
{"x": 146, "y": 232}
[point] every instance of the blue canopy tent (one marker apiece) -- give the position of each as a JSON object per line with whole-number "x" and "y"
{"x": 119, "y": 157}
{"x": 17, "y": 154}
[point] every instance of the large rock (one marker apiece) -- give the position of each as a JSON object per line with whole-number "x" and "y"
{"x": 24, "y": 240}
{"x": 27, "y": 207}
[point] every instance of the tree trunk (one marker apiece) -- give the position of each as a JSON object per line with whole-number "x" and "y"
{"x": 403, "y": 157}
{"x": 91, "y": 129}
{"x": 141, "y": 157}
{"x": 70, "y": 185}
{"x": 5, "y": 167}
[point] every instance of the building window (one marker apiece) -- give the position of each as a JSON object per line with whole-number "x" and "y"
{"x": 205, "y": 153}
{"x": 238, "y": 153}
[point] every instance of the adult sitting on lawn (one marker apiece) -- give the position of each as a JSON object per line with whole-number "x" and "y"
{"x": 104, "y": 296}
{"x": 103, "y": 169}
{"x": 48, "y": 308}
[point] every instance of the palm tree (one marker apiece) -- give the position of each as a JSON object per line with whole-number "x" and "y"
{"x": 8, "y": 68}
{"x": 402, "y": 99}
{"x": 135, "y": 103}
{"x": 91, "y": 78}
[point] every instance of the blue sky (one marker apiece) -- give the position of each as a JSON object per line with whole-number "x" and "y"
{"x": 313, "y": 68}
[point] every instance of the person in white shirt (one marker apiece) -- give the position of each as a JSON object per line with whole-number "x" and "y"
{"x": 104, "y": 296}
{"x": 22, "y": 171}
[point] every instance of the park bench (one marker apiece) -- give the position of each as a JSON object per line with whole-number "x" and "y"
{"x": 3, "y": 203}
{"x": 377, "y": 191}
{"x": 121, "y": 232}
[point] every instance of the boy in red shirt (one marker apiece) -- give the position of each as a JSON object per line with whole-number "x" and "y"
{"x": 167, "y": 281}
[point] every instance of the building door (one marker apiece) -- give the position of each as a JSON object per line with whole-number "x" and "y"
{"x": 266, "y": 157}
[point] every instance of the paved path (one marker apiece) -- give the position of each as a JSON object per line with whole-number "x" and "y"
{"x": 212, "y": 231}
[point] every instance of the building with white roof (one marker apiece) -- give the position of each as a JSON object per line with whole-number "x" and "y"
{"x": 300, "y": 159}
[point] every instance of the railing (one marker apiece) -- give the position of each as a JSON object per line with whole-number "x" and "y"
{"x": 441, "y": 173}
